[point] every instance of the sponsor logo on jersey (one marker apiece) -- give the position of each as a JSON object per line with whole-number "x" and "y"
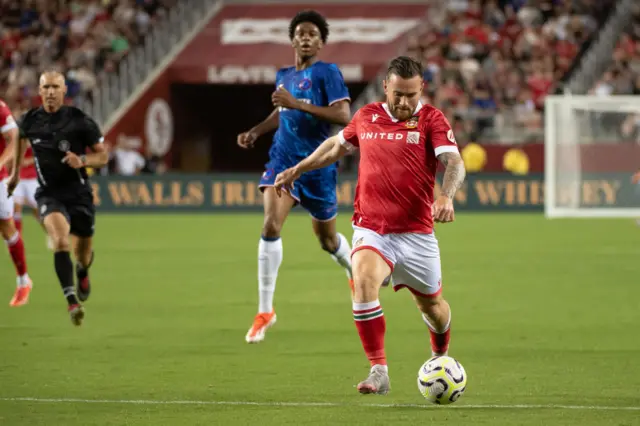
{"x": 413, "y": 138}
{"x": 306, "y": 101}
{"x": 390, "y": 136}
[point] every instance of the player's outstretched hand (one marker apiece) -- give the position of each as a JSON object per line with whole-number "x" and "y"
{"x": 247, "y": 139}
{"x": 12, "y": 183}
{"x": 285, "y": 180}
{"x": 72, "y": 160}
{"x": 442, "y": 210}
{"x": 282, "y": 98}
{"x": 636, "y": 177}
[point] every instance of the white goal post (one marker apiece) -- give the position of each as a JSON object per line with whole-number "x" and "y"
{"x": 592, "y": 150}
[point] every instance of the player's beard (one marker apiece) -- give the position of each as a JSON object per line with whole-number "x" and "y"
{"x": 401, "y": 113}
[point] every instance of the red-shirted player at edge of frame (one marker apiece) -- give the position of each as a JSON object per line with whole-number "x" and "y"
{"x": 8, "y": 230}
{"x": 400, "y": 143}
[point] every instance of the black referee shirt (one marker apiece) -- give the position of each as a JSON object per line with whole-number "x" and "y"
{"x": 52, "y": 135}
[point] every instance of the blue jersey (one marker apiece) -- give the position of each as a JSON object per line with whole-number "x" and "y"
{"x": 300, "y": 133}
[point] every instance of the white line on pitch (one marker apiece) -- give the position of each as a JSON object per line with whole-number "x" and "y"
{"x": 319, "y": 404}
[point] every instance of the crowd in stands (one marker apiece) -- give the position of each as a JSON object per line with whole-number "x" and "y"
{"x": 622, "y": 78}
{"x": 83, "y": 39}
{"x": 623, "y": 75}
{"x": 490, "y": 63}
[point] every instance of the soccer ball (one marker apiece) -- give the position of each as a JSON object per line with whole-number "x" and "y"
{"x": 442, "y": 380}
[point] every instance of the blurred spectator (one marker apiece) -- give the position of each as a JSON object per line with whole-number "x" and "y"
{"x": 506, "y": 56}
{"x": 621, "y": 78}
{"x": 83, "y": 39}
{"x": 128, "y": 161}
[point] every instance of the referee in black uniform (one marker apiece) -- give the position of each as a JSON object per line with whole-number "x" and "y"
{"x": 59, "y": 137}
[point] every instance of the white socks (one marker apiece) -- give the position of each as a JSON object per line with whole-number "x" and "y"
{"x": 342, "y": 256}
{"x": 269, "y": 260}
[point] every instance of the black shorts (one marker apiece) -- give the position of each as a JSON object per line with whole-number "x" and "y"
{"x": 76, "y": 205}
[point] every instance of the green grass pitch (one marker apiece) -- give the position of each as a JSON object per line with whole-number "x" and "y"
{"x": 545, "y": 321}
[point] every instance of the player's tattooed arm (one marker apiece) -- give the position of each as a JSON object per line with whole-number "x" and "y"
{"x": 454, "y": 173}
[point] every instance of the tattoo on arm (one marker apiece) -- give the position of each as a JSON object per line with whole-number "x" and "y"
{"x": 454, "y": 173}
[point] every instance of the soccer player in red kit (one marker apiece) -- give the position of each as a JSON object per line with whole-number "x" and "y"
{"x": 400, "y": 142}
{"x": 25, "y": 193}
{"x": 9, "y": 137}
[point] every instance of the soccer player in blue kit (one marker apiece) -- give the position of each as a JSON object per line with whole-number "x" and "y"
{"x": 309, "y": 98}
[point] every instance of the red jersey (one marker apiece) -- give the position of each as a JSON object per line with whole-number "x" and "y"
{"x": 398, "y": 163}
{"x": 28, "y": 172}
{"x": 6, "y": 123}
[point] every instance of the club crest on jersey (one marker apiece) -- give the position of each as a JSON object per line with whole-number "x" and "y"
{"x": 64, "y": 145}
{"x": 412, "y": 123}
{"x": 450, "y": 136}
{"x": 305, "y": 84}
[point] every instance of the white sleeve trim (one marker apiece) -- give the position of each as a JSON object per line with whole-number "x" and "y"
{"x": 345, "y": 142}
{"x": 446, "y": 148}
{"x": 8, "y": 127}
{"x": 346, "y": 98}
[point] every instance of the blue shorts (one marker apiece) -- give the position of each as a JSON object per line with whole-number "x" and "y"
{"x": 315, "y": 191}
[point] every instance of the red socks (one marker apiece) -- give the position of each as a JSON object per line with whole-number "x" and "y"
{"x": 16, "y": 250}
{"x": 439, "y": 340}
{"x": 371, "y": 327}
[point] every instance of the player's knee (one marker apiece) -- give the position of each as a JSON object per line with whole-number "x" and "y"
{"x": 7, "y": 228}
{"x": 366, "y": 283}
{"x": 271, "y": 227}
{"x": 60, "y": 242}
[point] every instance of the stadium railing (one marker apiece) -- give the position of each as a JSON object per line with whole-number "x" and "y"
{"x": 140, "y": 63}
{"x": 596, "y": 61}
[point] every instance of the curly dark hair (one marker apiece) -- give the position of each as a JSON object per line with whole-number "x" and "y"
{"x": 313, "y": 17}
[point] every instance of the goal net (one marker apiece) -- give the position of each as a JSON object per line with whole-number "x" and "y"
{"x": 592, "y": 150}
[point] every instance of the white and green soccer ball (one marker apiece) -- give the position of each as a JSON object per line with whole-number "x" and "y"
{"x": 442, "y": 380}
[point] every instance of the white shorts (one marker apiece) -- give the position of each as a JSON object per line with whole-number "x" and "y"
{"x": 25, "y": 193}
{"x": 414, "y": 259}
{"x": 6, "y": 203}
